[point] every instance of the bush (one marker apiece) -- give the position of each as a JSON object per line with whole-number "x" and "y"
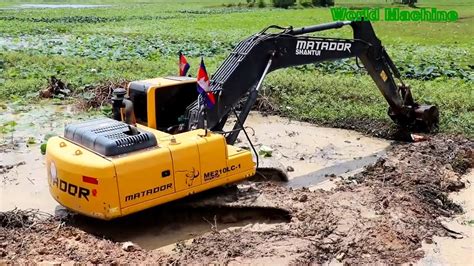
{"x": 323, "y": 2}
{"x": 261, "y": 4}
{"x": 306, "y": 3}
{"x": 283, "y": 3}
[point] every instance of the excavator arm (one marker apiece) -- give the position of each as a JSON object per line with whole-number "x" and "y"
{"x": 244, "y": 70}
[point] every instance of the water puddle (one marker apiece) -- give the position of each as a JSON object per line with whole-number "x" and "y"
{"x": 312, "y": 153}
{"x": 166, "y": 225}
{"x": 341, "y": 169}
{"x": 23, "y": 179}
{"x": 56, "y": 44}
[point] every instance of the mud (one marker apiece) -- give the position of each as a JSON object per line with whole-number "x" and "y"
{"x": 164, "y": 226}
{"x": 395, "y": 210}
{"x": 381, "y": 214}
{"x": 46, "y": 239}
{"x": 384, "y": 213}
{"x": 458, "y": 249}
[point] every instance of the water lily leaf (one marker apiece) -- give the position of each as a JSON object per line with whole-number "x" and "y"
{"x": 43, "y": 148}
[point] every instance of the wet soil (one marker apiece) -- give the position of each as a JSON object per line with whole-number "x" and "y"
{"x": 384, "y": 213}
{"x": 46, "y": 239}
{"x": 458, "y": 249}
{"x": 164, "y": 226}
{"x": 381, "y": 214}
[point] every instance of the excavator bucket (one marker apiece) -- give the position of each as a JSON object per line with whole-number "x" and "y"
{"x": 419, "y": 117}
{"x": 427, "y": 117}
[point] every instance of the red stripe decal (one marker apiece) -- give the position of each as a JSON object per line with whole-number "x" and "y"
{"x": 88, "y": 179}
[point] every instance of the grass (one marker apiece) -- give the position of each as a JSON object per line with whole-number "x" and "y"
{"x": 139, "y": 39}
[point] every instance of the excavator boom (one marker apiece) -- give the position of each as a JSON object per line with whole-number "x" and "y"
{"x": 243, "y": 71}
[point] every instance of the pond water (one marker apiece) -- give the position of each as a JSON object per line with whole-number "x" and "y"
{"x": 61, "y": 6}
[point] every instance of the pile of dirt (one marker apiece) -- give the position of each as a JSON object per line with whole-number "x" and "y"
{"x": 31, "y": 236}
{"x": 382, "y": 214}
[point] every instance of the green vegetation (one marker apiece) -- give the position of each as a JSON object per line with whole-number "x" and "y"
{"x": 135, "y": 39}
{"x": 7, "y": 127}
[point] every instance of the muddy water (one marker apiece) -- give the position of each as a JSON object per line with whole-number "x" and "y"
{"x": 163, "y": 226}
{"x": 25, "y": 185}
{"x": 313, "y": 152}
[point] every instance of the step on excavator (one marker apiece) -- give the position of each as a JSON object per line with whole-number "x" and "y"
{"x": 163, "y": 144}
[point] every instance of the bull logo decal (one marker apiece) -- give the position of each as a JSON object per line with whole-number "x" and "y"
{"x": 190, "y": 175}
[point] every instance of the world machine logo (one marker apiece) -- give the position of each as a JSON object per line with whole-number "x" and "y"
{"x": 306, "y": 47}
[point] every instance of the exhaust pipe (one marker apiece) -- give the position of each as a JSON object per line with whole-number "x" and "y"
{"x": 119, "y": 102}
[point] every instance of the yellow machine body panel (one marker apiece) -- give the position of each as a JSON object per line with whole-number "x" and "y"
{"x": 180, "y": 165}
{"x": 186, "y": 159}
{"x": 81, "y": 180}
{"x": 144, "y": 176}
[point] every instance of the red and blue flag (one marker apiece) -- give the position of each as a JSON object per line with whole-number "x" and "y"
{"x": 183, "y": 65}
{"x": 203, "y": 87}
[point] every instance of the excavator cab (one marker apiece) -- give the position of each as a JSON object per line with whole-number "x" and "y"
{"x": 161, "y": 103}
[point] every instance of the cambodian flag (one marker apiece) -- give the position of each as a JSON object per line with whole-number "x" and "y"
{"x": 203, "y": 86}
{"x": 183, "y": 65}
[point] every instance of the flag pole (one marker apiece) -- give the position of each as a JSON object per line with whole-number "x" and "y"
{"x": 205, "y": 121}
{"x": 203, "y": 111}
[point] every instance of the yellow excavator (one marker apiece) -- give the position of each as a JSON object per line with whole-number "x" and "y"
{"x": 163, "y": 144}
